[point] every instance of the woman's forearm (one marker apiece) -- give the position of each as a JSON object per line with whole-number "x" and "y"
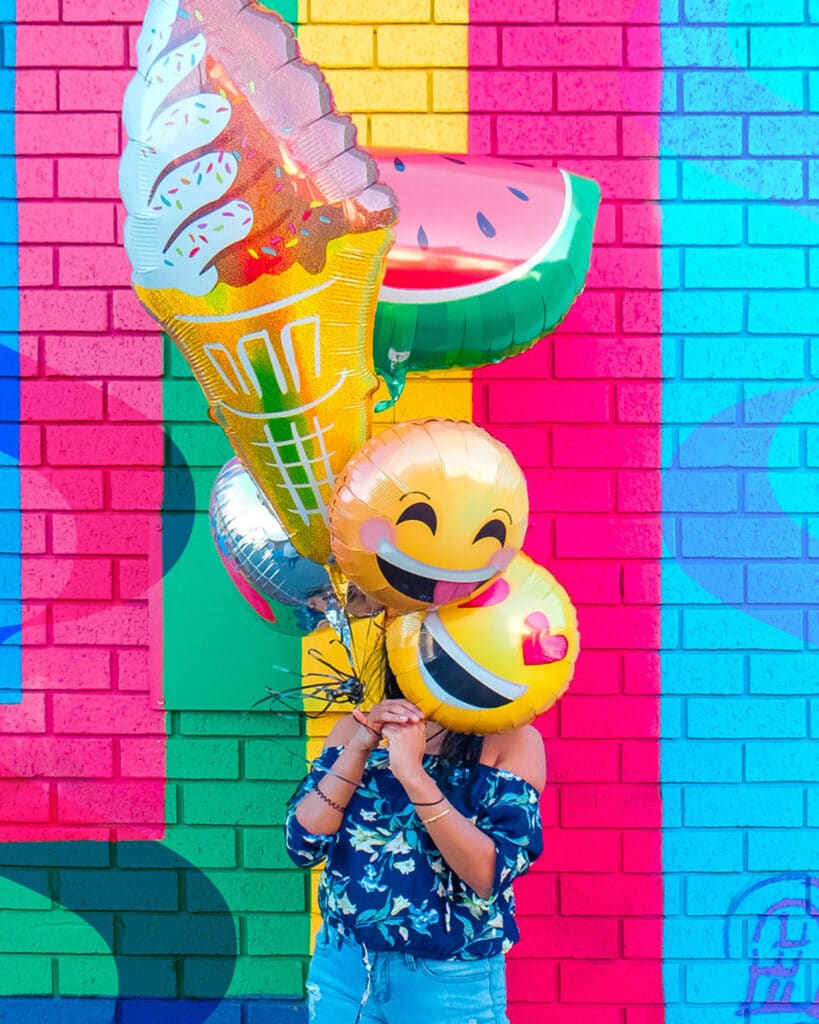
{"x": 316, "y": 811}
{"x": 469, "y": 852}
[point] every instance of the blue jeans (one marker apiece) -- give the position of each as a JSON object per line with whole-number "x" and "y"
{"x": 348, "y": 984}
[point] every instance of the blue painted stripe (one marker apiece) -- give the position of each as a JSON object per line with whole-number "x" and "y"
{"x": 20, "y": 1010}
{"x": 10, "y": 529}
{"x": 740, "y": 502}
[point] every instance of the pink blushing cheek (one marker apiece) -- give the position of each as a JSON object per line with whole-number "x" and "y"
{"x": 373, "y": 531}
{"x": 501, "y": 559}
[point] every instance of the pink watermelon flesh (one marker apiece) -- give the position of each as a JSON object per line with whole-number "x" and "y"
{"x": 464, "y": 220}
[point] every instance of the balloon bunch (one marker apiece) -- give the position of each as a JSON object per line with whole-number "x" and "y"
{"x": 429, "y": 518}
{"x": 259, "y": 236}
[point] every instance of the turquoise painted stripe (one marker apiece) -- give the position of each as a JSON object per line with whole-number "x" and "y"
{"x": 740, "y": 507}
{"x": 10, "y": 545}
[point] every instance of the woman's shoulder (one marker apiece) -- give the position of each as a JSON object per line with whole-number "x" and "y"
{"x": 520, "y": 752}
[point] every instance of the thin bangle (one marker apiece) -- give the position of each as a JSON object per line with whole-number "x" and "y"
{"x": 435, "y": 817}
{"x": 327, "y": 800}
{"x": 430, "y": 803}
{"x": 344, "y": 778}
{"x": 375, "y": 732}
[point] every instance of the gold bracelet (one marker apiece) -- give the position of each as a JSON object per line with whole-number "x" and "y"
{"x": 327, "y": 800}
{"x": 436, "y": 817}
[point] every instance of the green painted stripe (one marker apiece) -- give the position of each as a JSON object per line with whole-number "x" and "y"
{"x": 218, "y": 657}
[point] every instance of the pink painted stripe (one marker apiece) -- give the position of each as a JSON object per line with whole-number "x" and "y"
{"x": 91, "y": 408}
{"x": 89, "y": 630}
{"x": 581, "y": 412}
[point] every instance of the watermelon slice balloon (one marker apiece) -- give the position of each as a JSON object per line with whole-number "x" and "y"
{"x": 489, "y": 256}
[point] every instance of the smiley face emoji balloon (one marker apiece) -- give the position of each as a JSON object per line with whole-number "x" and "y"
{"x": 493, "y": 661}
{"x": 426, "y": 512}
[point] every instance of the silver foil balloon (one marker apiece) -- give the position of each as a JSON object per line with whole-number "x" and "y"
{"x": 254, "y": 544}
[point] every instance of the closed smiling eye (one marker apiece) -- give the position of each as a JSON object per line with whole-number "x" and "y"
{"x": 419, "y": 512}
{"x": 494, "y": 528}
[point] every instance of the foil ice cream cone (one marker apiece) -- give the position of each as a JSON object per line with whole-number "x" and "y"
{"x": 257, "y": 233}
{"x": 284, "y": 379}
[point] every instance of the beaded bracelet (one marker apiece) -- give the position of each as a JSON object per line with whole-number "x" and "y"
{"x": 435, "y": 817}
{"x": 327, "y": 800}
{"x": 430, "y": 803}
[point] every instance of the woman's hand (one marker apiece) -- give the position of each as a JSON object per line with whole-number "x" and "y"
{"x": 406, "y": 749}
{"x": 386, "y": 712}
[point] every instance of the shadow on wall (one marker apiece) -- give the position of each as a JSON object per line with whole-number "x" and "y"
{"x": 145, "y": 901}
{"x": 741, "y": 504}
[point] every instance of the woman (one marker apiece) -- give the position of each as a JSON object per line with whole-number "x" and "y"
{"x": 423, "y": 831}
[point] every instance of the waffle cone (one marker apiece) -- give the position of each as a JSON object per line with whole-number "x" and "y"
{"x": 287, "y": 374}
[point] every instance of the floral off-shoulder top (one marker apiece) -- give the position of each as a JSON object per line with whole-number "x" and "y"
{"x": 386, "y": 885}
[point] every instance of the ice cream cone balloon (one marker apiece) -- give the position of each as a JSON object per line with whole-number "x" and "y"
{"x": 257, "y": 233}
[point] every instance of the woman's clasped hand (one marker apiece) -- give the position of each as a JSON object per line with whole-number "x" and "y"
{"x": 385, "y": 713}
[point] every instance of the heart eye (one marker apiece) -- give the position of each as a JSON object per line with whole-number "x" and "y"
{"x": 538, "y": 645}
{"x": 419, "y": 512}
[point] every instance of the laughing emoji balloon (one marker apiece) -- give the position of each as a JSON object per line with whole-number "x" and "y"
{"x": 427, "y": 512}
{"x": 493, "y": 661}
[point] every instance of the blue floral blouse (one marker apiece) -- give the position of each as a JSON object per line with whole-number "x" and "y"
{"x": 385, "y": 883}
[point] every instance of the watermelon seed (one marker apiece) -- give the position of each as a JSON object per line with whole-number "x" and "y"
{"x": 423, "y": 241}
{"x": 516, "y": 192}
{"x": 399, "y": 164}
{"x": 485, "y": 226}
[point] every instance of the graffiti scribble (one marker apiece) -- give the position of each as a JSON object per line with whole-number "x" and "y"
{"x": 784, "y": 938}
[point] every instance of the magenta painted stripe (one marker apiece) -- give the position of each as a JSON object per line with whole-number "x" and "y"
{"x": 581, "y": 411}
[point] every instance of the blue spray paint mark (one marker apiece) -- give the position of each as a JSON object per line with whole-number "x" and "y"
{"x": 772, "y": 928}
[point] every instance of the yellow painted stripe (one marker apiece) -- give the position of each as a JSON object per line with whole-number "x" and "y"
{"x": 400, "y": 69}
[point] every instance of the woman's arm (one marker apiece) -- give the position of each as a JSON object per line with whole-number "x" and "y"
{"x": 470, "y": 852}
{"x": 321, "y": 811}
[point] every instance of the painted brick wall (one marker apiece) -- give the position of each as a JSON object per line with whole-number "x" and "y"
{"x": 739, "y": 504}
{"x": 140, "y": 855}
{"x": 582, "y": 413}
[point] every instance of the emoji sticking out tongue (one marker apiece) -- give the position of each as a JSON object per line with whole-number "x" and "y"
{"x": 445, "y": 591}
{"x": 427, "y": 512}
{"x": 494, "y": 661}
{"x": 257, "y": 233}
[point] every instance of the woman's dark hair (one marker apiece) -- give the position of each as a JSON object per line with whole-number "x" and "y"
{"x": 464, "y": 747}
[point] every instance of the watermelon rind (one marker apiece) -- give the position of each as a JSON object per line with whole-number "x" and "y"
{"x": 417, "y": 331}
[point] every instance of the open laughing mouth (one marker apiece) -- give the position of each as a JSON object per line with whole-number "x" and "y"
{"x": 426, "y": 583}
{"x": 455, "y": 678}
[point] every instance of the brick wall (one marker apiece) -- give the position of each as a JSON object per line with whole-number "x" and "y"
{"x": 739, "y": 582}
{"x": 668, "y": 435}
{"x": 582, "y": 413}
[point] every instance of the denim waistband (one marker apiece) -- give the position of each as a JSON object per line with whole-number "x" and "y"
{"x": 332, "y": 936}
